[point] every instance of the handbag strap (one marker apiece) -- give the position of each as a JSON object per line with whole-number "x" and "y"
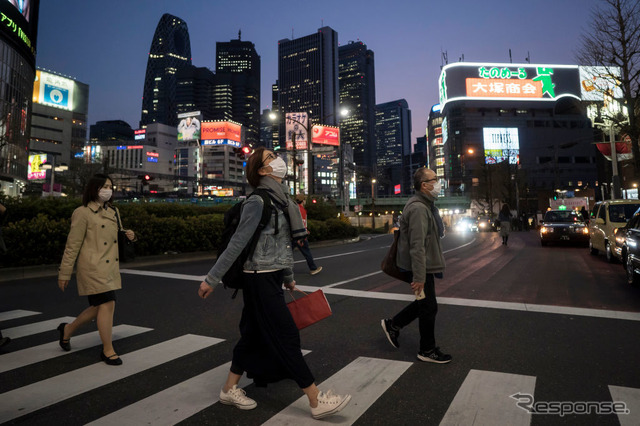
{"x": 118, "y": 219}
{"x": 296, "y": 289}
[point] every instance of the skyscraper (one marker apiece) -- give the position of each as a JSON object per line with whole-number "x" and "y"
{"x": 195, "y": 91}
{"x": 393, "y": 135}
{"x": 170, "y": 52}
{"x": 238, "y": 71}
{"x": 357, "y": 93}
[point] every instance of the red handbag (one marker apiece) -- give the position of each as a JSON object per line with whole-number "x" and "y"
{"x": 309, "y": 309}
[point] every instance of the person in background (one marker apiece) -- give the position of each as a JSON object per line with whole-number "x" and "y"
{"x": 269, "y": 348}
{"x": 585, "y": 214}
{"x": 504, "y": 217}
{"x": 420, "y": 252}
{"x": 93, "y": 242}
{"x": 303, "y": 244}
{"x": 3, "y": 214}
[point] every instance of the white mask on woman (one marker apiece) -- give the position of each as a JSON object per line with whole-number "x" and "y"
{"x": 104, "y": 195}
{"x": 279, "y": 168}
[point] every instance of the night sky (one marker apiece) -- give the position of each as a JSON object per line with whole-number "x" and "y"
{"x": 105, "y": 43}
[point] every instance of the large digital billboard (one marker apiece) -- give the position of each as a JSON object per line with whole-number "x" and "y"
{"x": 221, "y": 133}
{"x": 189, "y": 126}
{"x": 500, "y": 144}
{"x": 599, "y": 83}
{"x": 53, "y": 90}
{"x": 34, "y": 170}
{"x": 521, "y": 82}
{"x": 19, "y": 23}
{"x": 325, "y": 135}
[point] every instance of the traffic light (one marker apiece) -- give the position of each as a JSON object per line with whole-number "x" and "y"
{"x": 145, "y": 179}
{"x": 246, "y": 150}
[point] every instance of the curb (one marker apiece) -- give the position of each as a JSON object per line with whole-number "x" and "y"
{"x": 43, "y": 271}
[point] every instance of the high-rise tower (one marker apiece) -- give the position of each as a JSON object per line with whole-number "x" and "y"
{"x": 393, "y": 134}
{"x": 170, "y": 52}
{"x": 238, "y": 69}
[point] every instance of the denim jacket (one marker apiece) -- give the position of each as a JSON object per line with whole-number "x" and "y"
{"x": 273, "y": 250}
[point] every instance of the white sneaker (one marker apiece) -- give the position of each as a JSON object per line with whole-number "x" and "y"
{"x": 329, "y": 404}
{"x": 237, "y": 396}
{"x": 316, "y": 271}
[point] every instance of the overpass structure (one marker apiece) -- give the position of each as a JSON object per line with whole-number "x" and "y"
{"x": 396, "y": 203}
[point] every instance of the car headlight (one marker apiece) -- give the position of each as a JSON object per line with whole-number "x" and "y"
{"x": 585, "y": 230}
{"x": 544, "y": 230}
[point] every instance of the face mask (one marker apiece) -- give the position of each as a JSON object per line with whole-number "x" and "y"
{"x": 436, "y": 189}
{"x": 279, "y": 168}
{"x": 105, "y": 195}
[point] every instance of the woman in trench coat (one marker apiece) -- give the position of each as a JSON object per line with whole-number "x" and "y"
{"x": 93, "y": 243}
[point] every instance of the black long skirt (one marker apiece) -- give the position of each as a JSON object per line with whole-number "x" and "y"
{"x": 269, "y": 347}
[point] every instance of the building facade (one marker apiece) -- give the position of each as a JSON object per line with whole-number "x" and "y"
{"x": 357, "y": 93}
{"x": 195, "y": 91}
{"x": 17, "y": 57}
{"x": 170, "y": 51}
{"x": 393, "y": 143}
{"x": 110, "y": 131}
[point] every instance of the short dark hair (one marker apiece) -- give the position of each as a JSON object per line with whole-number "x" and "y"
{"x": 93, "y": 188}
{"x": 419, "y": 176}
{"x": 254, "y": 164}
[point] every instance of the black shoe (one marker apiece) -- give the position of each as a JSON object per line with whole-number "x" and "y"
{"x": 110, "y": 360}
{"x": 64, "y": 344}
{"x": 4, "y": 341}
{"x": 391, "y": 331}
{"x": 434, "y": 355}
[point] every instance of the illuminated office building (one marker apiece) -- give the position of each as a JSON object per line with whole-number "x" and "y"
{"x": 17, "y": 57}
{"x": 170, "y": 52}
{"x": 393, "y": 143}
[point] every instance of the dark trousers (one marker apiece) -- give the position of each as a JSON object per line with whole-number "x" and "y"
{"x": 269, "y": 346}
{"x": 425, "y": 310}
{"x": 306, "y": 252}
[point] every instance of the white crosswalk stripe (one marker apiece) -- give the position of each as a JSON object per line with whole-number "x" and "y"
{"x": 35, "y": 328}
{"x": 50, "y": 350}
{"x": 9, "y": 315}
{"x": 366, "y": 379}
{"x": 38, "y": 395}
{"x": 485, "y": 399}
{"x": 176, "y": 403}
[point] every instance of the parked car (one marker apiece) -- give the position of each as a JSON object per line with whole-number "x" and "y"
{"x": 563, "y": 226}
{"x": 630, "y": 250}
{"x": 606, "y": 217}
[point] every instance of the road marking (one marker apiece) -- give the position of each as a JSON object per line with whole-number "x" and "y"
{"x": 631, "y": 397}
{"x": 485, "y": 399}
{"x": 51, "y": 350}
{"x": 41, "y": 394}
{"x": 163, "y": 274}
{"x": 34, "y": 328}
{"x": 9, "y": 315}
{"x": 176, "y": 403}
{"x": 365, "y": 379}
{"x": 474, "y": 303}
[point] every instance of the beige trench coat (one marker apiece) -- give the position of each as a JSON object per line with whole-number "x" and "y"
{"x": 93, "y": 241}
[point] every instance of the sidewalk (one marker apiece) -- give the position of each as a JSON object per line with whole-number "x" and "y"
{"x": 41, "y": 271}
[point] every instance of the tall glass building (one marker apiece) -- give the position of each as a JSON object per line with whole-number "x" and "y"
{"x": 357, "y": 93}
{"x": 170, "y": 52}
{"x": 393, "y": 135}
{"x": 17, "y": 74}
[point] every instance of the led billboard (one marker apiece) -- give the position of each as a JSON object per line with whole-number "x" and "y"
{"x": 325, "y": 135}
{"x": 521, "y": 82}
{"x": 221, "y": 133}
{"x": 34, "y": 170}
{"x": 19, "y": 23}
{"x": 500, "y": 144}
{"x": 53, "y": 90}
{"x": 596, "y": 83}
{"x": 189, "y": 126}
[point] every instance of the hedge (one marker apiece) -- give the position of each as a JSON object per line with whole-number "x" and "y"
{"x": 40, "y": 236}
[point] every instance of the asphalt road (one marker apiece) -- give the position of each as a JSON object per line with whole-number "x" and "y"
{"x": 549, "y": 328}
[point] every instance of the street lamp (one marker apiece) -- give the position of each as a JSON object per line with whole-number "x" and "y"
{"x": 373, "y": 206}
{"x": 47, "y": 166}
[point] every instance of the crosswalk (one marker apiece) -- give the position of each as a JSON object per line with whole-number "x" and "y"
{"x": 483, "y": 397}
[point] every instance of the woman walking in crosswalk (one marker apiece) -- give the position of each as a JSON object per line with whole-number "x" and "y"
{"x": 269, "y": 347}
{"x": 93, "y": 242}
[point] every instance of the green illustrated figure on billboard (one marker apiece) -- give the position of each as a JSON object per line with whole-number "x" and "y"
{"x": 544, "y": 76}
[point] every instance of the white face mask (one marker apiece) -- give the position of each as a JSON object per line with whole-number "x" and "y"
{"x": 436, "y": 189}
{"x": 104, "y": 195}
{"x": 279, "y": 168}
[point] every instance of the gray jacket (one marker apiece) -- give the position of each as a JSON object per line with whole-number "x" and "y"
{"x": 273, "y": 250}
{"x": 419, "y": 248}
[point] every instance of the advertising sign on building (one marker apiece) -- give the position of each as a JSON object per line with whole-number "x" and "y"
{"x": 522, "y": 82}
{"x": 600, "y": 83}
{"x": 221, "y": 133}
{"x": 501, "y": 144}
{"x": 325, "y": 135}
{"x": 189, "y": 126}
{"x": 296, "y": 123}
{"x": 20, "y": 25}
{"x": 34, "y": 170}
{"x": 140, "y": 134}
{"x": 53, "y": 90}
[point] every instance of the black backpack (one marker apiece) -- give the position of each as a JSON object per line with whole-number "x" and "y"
{"x": 233, "y": 277}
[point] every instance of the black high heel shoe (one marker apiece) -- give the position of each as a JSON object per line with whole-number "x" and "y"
{"x": 110, "y": 360}
{"x": 64, "y": 344}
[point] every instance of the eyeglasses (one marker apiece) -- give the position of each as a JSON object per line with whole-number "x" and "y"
{"x": 270, "y": 156}
{"x": 429, "y": 180}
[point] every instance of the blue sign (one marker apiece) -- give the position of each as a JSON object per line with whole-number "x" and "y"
{"x": 56, "y": 95}
{"x": 221, "y": 142}
{"x": 152, "y": 159}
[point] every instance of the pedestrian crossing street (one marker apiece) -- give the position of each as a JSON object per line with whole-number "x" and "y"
{"x": 484, "y": 397}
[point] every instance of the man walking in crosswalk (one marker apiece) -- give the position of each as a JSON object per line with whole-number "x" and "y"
{"x": 420, "y": 252}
